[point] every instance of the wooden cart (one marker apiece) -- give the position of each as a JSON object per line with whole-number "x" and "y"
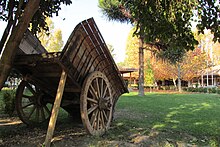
{"x": 91, "y": 87}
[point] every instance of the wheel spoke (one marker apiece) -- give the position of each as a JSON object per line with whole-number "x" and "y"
{"x": 27, "y": 105}
{"x": 47, "y": 109}
{"x": 27, "y": 96}
{"x": 102, "y": 88}
{"x": 98, "y": 120}
{"x": 92, "y": 100}
{"x": 105, "y": 116}
{"x": 90, "y": 110}
{"x": 31, "y": 89}
{"x": 42, "y": 113}
{"x": 105, "y": 91}
{"x": 37, "y": 114}
{"x": 102, "y": 120}
{"x": 93, "y": 119}
{"x": 97, "y": 85}
{"x": 32, "y": 111}
{"x": 94, "y": 92}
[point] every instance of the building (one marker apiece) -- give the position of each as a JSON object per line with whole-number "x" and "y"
{"x": 210, "y": 77}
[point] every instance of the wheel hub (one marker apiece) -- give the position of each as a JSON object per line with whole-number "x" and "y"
{"x": 104, "y": 103}
{"x": 39, "y": 99}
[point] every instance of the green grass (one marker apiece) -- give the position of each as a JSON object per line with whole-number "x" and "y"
{"x": 193, "y": 118}
{"x": 165, "y": 119}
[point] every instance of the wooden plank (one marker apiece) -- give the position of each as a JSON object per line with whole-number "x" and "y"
{"x": 71, "y": 89}
{"x": 51, "y": 75}
{"x": 55, "y": 110}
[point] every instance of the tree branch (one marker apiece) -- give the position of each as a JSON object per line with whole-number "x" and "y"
{"x": 9, "y": 25}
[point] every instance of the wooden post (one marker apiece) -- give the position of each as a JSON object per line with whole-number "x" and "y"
{"x": 55, "y": 110}
{"x": 130, "y": 79}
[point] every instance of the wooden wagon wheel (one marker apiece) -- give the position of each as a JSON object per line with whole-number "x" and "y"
{"x": 96, "y": 103}
{"x": 30, "y": 104}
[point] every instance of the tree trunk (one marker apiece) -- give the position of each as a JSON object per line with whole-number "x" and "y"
{"x": 141, "y": 66}
{"x": 174, "y": 82}
{"x": 15, "y": 38}
{"x": 179, "y": 78}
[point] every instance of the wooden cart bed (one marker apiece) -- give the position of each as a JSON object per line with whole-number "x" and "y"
{"x": 93, "y": 83}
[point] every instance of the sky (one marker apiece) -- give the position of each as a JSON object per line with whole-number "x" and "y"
{"x": 114, "y": 33}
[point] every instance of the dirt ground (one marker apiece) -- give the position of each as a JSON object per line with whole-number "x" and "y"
{"x": 14, "y": 133}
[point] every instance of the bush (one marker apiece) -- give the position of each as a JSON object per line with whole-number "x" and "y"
{"x": 213, "y": 90}
{"x": 218, "y": 91}
{"x": 200, "y": 89}
{"x": 205, "y": 90}
{"x": 9, "y": 102}
{"x": 190, "y": 89}
{"x": 185, "y": 89}
{"x": 167, "y": 87}
{"x": 195, "y": 89}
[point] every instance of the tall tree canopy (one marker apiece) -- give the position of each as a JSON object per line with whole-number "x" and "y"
{"x": 52, "y": 39}
{"x": 164, "y": 24}
{"x": 20, "y": 14}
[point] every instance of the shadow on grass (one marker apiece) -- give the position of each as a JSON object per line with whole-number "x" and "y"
{"x": 175, "y": 118}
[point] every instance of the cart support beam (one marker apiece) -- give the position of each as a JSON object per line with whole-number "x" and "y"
{"x": 55, "y": 110}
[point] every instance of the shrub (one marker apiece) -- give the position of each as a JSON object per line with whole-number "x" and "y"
{"x": 185, "y": 89}
{"x": 195, "y": 89}
{"x": 190, "y": 89}
{"x": 9, "y": 102}
{"x": 200, "y": 89}
{"x": 213, "y": 90}
{"x": 167, "y": 87}
{"x": 205, "y": 90}
{"x": 218, "y": 91}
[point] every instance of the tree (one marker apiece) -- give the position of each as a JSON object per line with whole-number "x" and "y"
{"x": 132, "y": 48}
{"x": 192, "y": 65}
{"x": 149, "y": 74}
{"x": 164, "y": 24}
{"x": 20, "y": 14}
{"x": 52, "y": 39}
{"x": 111, "y": 49}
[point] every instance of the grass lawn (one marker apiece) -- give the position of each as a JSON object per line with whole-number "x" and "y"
{"x": 172, "y": 118}
{"x": 160, "y": 119}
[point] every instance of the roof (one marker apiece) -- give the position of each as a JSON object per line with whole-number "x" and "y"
{"x": 127, "y": 70}
{"x": 215, "y": 70}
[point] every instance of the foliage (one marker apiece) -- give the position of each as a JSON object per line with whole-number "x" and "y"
{"x": 164, "y": 24}
{"x": 9, "y": 102}
{"x": 51, "y": 40}
{"x": 131, "y": 50}
{"x": 12, "y": 10}
{"x": 149, "y": 75}
{"x": 203, "y": 89}
{"x": 192, "y": 65}
{"x": 208, "y": 13}
{"x": 218, "y": 91}
{"x": 111, "y": 49}
{"x": 21, "y": 14}
{"x": 207, "y": 45}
